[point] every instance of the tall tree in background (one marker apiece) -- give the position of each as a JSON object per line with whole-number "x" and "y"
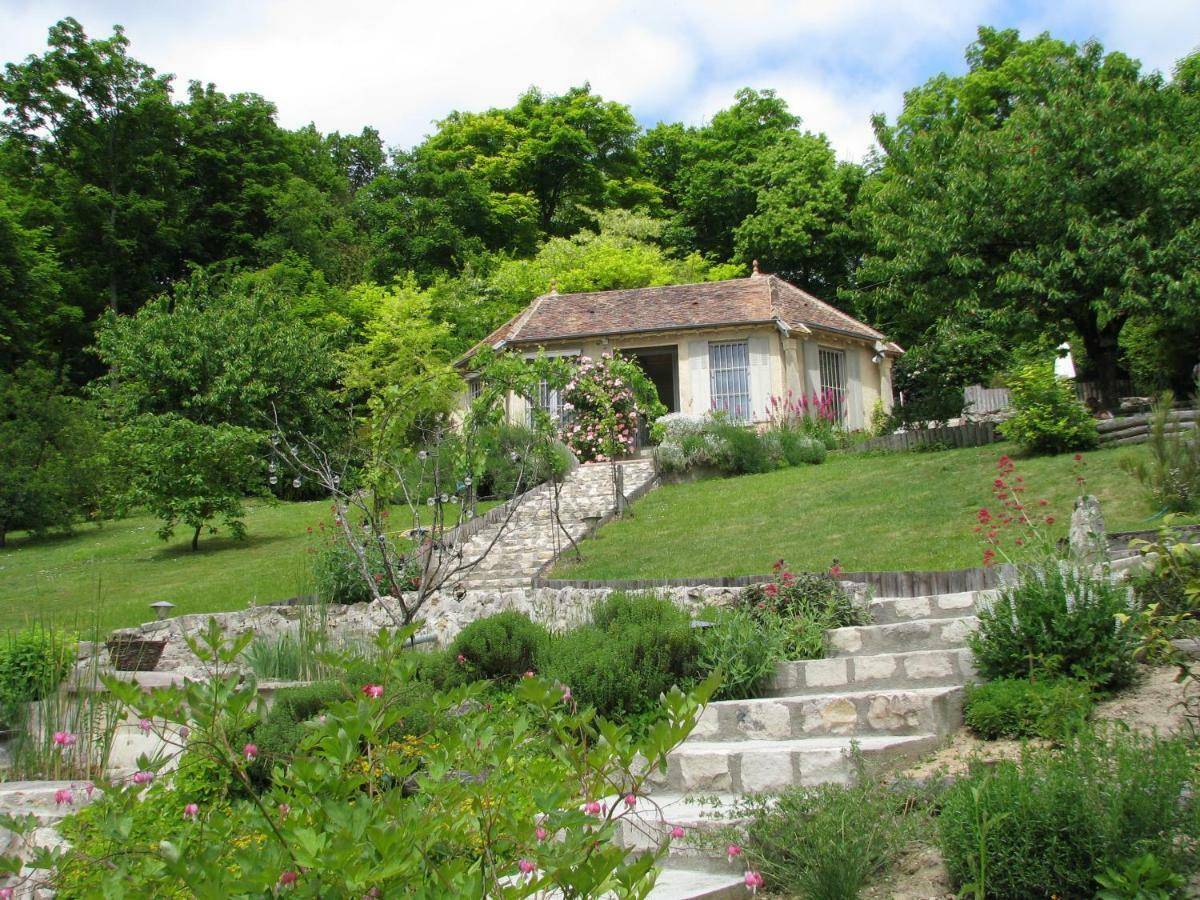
{"x": 1050, "y": 193}
{"x": 99, "y": 136}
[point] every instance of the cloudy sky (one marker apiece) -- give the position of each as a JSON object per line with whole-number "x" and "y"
{"x": 398, "y": 65}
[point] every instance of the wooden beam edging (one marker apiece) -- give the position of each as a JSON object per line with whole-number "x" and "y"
{"x": 884, "y": 583}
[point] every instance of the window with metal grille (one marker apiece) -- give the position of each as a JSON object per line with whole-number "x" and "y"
{"x": 474, "y": 388}
{"x": 549, "y": 399}
{"x": 833, "y": 379}
{"x": 729, "y": 378}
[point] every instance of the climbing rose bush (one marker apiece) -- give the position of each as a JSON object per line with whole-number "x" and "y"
{"x": 602, "y": 401}
{"x": 520, "y": 801}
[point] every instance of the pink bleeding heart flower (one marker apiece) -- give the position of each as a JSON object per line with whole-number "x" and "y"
{"x": 288, "y": 877}
{"x": 191, "y": 811}
{"x": 63, "y": 795}
{"x": 64, "y": 739}
{"x": 88, "y": 788}
{"x": 6, "y": 893}
{"x": 526, "y": 866}
{"x": 677, "y": 832}
{"x": 250, "y": 751}
{"x": 184, "y": 731}
{"x": 630, "y": 801}
{"x": 145, "y": 726}
{"x": 529, "y": 674}
{"x": 284, "y": 809}
{"x": 460, "y": 659}
{"x": 733, "y": 851}
{"x": 374, "y": 691}
{"x": 143, "y": 777}
{"x": 541, "y": 833}
{"x": 754, "y": 881}
{"x": 566, "y": 694}
{"x": 593, "y": 808}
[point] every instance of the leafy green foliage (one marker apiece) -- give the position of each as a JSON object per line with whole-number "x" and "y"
{"x": 689, "y": 443}
{"x": 480, "y": 785}
{"x": 743, "y": 648}
{"x": 1169, "y": 578}
{"x": 636, "y": 649}
{"x": 336, "y": 572}
{"x": 1049, "y": 824}
{"x": 32, "y": 664}
{"x": 52, "y": 473}
{"x": 982, "y": 213}
{"x": 1057, "y": 621}
{"x": 1140, "y": 878}
{"x": 1047, "y": 416}
{"x": 1017, "y": 708}
{"x": 504, "y": 645}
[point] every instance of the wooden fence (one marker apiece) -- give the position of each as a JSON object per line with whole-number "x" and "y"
{"x": 978, "y": 400}
{"x": 971, "y": 434}
{"x": 1136, "y": 429}
{"x": 883, "y": 584}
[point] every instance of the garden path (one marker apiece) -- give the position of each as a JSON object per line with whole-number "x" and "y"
{"x": 531, "y": 539}
{"x": 893, "y": 689}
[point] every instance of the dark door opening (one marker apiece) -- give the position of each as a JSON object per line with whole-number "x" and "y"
{"x": 661, "y": 365}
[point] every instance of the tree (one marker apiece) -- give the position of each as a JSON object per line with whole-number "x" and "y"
{"x": 705, "y": 172}
{"x": 46, "y": 441}
{"x": 33, "y": 316}
{"x": 100, "y": 139}
{"x": 192, "y": 381}
{"x": 1051, "y": 189}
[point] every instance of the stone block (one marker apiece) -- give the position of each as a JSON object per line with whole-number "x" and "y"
{"x": 825, "y": 673}
{"x": 766, "y": 770}
{"x": 705, "y": 771}
{"x": 912, "y": 607}
{"x": 929, "y": 665}
{"x": 893, "y": 712}
{"x": 764, "y": 721}
{"x": 846, "y": 640}
{"x": 838, "y": 716}
{"x": 874, "y": 668}
{"x": 824, "y": 767}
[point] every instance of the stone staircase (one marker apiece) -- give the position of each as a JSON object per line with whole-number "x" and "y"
{"x": 892, "y": 689}
{"x": 531, "y": 539}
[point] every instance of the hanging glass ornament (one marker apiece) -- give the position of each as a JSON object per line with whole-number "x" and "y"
{"x": 273, "y": 480}
{"x": 296, "y": 482}
{"x": 272, "y": 467}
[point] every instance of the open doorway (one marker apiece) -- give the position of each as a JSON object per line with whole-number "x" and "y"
{"x": 661, "y": 365}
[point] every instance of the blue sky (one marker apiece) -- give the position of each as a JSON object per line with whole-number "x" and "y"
{"x": 399, "y": 65}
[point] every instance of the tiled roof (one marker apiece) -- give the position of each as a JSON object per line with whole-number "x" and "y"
{"x": 758, "y": 299}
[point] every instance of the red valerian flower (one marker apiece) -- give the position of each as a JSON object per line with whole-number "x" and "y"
{"x": 1078, "y": 457}
{"x": 374, "y": 691}
{"x": 1049, "y": 520}
{"x": 983, "y": 516}
{"x": 771, "y": 590}
{"x": 988, "y": 556}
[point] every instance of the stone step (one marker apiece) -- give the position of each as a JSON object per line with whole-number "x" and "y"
{"x": 920, "y": 668}
{"x": 692, "y": 884}
{"x": 896, "y": 712}
{"x": 744, "y": 766}
{"x": 898, "y": 637}
{"x": 889, "y": 610}
{"x": 652, "y": 818}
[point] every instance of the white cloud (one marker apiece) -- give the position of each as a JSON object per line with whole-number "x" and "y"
{"x": 400, "y": 65}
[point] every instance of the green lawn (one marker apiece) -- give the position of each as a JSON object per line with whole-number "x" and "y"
{"x": 894, "y": 511}
{"x": 112, "y": 573}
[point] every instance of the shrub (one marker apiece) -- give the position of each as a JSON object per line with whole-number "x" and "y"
{"x": 744, "y": 648}
{"x": 1016, "y": 708}
{"x": 336, "y": 573}
{"x": 800, "y": 450}
{"x": 1172, "y": 472}
{"x": 742, "y": 451}
{"x": 1048, "y": 825}
{"x": 1057, "y": 620}
{"x": 501, "y": 646}
{"x": 637, "y": 647}
{"x": 824, "y": 842}
{"x": 811, "y": 594}
{"x": 1047, "y": 416}
{"x": 32, "y": 664}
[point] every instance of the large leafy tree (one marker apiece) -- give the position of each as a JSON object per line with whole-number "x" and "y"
{"x": 194, "y": 381}
{"x": 1050, "y": 193}
{"x": 33, "y": 315}
{"x": 99, "y": 142}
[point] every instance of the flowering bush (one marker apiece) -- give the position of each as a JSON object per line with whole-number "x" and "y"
{"x": 812, "y": 415}
{"x": 517, "y": 807}
{"x": 603, "y": 400}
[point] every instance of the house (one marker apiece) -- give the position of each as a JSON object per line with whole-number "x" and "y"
{"x": 720, "y": 345}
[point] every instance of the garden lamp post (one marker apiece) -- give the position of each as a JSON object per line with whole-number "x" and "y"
{"x": 162, "y": 608}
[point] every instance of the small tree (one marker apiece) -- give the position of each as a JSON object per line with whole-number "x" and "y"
{"x": 191, "y": 474}
{"x": 1048, "y": 417}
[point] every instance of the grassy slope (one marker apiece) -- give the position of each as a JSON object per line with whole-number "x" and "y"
{"x": 113, "y": 573}
{"x": 896, "y": 511}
